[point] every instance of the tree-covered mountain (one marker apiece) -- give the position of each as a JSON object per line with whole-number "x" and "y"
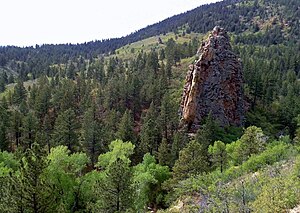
{"x": 255, "y": 21}
{"x": 95, "y": 127}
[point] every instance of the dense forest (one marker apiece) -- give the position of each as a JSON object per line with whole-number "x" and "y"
{"x": 94, "y": 127}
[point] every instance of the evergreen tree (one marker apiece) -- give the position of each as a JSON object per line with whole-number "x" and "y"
{"x": 253, "y": 141}
{"x": 33, "y": 194}
{"x": 19, "y": 92}
{"x": 115, "y": 189}
{"x": 16, "y": 127}
{"x": 180, "y": 139}
{"x": 4, "y": 125}
{"x": 167, "y": 117}
{"x": 191, "y": 161}
{"x": 29, "y": 130}
{"x": 43, "y": 97}
{"x": 164, "y": 155}
{"x": 92, "y": 134}
{"x": 47, "y": 129}
{"x": 297, "y": 135}
{"x": 150, "y": 134}
{"x": 125, "y": 130}
{"x": 218, "y": 154}
{"x": 65, "y": 130}
{"x": 71, "y": 71}
{"x": 207, "y": 135}
{"x": 2, "y": 84}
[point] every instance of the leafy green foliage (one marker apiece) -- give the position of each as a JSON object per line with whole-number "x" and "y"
{"x": 118, "y": 150}
{"x": 64, "y": 173}
{"x": 147, "y": 182}
{"x": 84, "y": 99}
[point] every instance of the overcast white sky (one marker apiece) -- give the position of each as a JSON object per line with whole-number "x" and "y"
{"x": 30, "y": 22}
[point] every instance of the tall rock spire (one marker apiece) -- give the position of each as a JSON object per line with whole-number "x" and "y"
{"x": 214, "y": 84}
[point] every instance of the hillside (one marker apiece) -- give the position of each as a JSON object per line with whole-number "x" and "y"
{"x": 94, "y": 127}
{"x": 255, "y": 22}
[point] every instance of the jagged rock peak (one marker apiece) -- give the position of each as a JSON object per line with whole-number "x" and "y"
{"x": 214, "y": 84}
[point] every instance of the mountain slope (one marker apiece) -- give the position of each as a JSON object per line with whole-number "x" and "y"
{"x": 276, "y": 20}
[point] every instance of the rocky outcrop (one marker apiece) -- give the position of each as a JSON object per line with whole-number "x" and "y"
{"x": 214, "y": 83}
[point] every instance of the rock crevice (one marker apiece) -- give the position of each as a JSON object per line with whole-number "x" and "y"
{"x": 214, "y": 84}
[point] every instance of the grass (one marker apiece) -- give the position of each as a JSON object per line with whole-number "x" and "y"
{"x": 10, "y": 87}
{"x": 130, "y": 51}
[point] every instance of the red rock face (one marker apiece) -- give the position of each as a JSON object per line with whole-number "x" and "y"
{"x": 214, "y": 83}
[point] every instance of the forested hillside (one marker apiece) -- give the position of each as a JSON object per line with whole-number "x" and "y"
{"x": 94, "y": 127}
{"x": 256, "y": 22}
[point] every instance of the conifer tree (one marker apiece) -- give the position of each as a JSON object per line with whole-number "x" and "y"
{"x": 176, "y": 144}
{"x": 29, "y": 130}
{"x": 207, "y": 134}
{"x": 42, "y": 102}
{"x": 164, "y": 155}
{"x": 191, "y": 161}
{"x": 150, "y": 134}
{"x": 4, "y": 124}
{"x": 125, "y": 129}
{"x": 65, "y": 130}
{"x": 2, "y": 84}
{"x": 218, "y": 154}
{"x": 167, "y": 120}
{"x": 253, "y": 141}
{"x": 115, "y": 189}
{"x": 16, "y": 127}
{"x": 33, "y": 194}
{"x": 92, "y": 134}
{"x": 47, "y": 130}
{"x": 19, "y": 92}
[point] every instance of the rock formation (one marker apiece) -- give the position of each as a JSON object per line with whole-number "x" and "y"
{"x": 214, "y": 84}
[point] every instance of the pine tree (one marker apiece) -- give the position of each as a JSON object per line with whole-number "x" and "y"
{"x": 92, "y": 134}
{"x": 253, "y": 141}
{"x": 164, "y": 155}
{"x": 207, "y": 135}
{"x": 2, "y": 84}
{"x": 29, "y": 130}
{"x": 33, "y": 194}
{"x": 191, "y": 161}
{"x": 65, "y": 130}
{"x": 167, "y": 120}
{"x": 16, "y": 127}
{"x": 19, "y": 92}
{"x": 116, "y": 190}
{"x": 125, "y": 128}
{"x": 42, "y": 102}
{"x": 4, "y": 125}
{"x": 150, "y": 134}
{"x": 218, "y": 154}
{"x": 71, "y": 71}
{"x": 47, "y": 129}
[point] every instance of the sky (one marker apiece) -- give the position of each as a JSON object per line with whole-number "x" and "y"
{"x": 30, "y": 22}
